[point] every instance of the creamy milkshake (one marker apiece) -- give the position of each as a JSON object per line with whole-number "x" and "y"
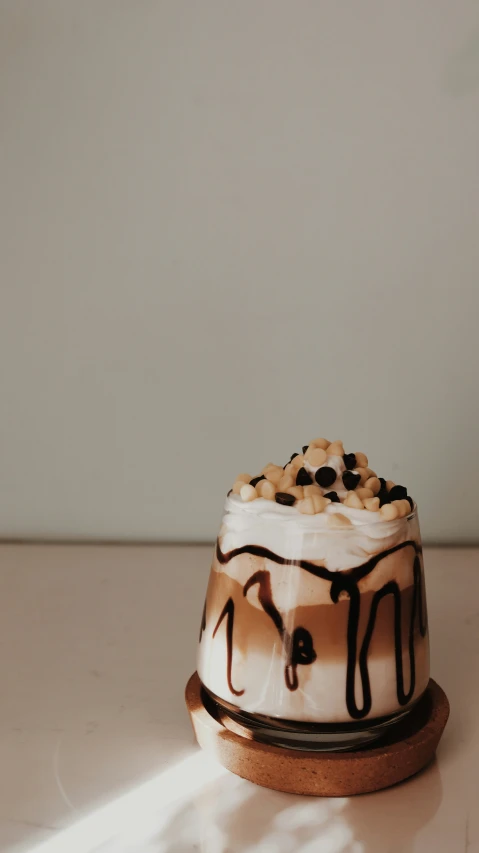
{"x": 315, "y": 612}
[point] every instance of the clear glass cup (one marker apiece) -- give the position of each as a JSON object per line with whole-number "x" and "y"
{"x": 314, "y": 639}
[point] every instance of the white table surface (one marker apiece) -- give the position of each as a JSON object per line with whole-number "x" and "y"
{"x": 96, "y": 750}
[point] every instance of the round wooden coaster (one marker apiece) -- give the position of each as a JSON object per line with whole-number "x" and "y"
{"x": 407, "y": 748}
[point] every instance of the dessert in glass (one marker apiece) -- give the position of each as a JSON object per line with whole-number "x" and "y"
{"x": 314, "y": 630}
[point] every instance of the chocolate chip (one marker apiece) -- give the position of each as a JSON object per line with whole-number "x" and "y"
{"x": 351, "y": 480}
{"x": 325, "y": 476}
{"x": 411, "y": 502}
{"x": 303, "y": 478}
{"x": 383, "y": 497}
{"x": 349, "y": 460}
{"x": 398, "y": 493}
{"x": 284, "y": 498}
{"x": 256, "y": 480}
{"x": 383, "y": 482}
{"x": 229, "y": 493}
{"x": 305, "y": 447}
{"x": 333, "y": 497}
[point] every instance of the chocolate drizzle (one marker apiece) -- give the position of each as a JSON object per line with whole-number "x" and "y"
{"x": 203, "y": 621}
{"x": 345, "y": 583}
{"x": 356, "y": 574}
{"x": 300, "y": 651}
{"x": 229, "y": 612}
{"x": 298, "y": 646}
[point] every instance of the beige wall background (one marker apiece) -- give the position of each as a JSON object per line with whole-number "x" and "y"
{"x": 227, "y": 228}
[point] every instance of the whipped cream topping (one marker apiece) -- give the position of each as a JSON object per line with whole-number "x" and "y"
{"x": 295, "y": 536}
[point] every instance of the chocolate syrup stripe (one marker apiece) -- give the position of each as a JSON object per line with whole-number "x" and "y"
{"x": 319, "y": 571}
{"x": 229, "y": 612}
{"x": 203, "y": 621}
{"x": 299, "y": 647}
{"x": 389, "y": 588}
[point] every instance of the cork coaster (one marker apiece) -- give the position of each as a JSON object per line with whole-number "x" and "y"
{"x": 407, "y": 748}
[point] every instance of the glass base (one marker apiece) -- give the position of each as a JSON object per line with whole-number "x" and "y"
{"x": 290, "y": 734}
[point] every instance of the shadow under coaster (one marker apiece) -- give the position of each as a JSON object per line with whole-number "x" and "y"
{"x": 407, "y": 747}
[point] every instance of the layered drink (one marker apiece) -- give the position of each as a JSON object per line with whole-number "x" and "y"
{"x": 315, "y": 613}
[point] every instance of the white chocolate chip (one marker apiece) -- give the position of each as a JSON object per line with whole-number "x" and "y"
{"x": 306, "y": 506}
{"x": 297, "y": 462}
{"x": 320, "y": 503}
{"x": 238, "y": 486}
{"x": 389, "y": 512}
{"x": 316, "y": 456}
{"x": 371, "y": 472}
{"x": 364, "y": 493}
{"x": 403, "y": 506}
{"x": 285, "y": 483}
{"x": 245, "y": 478}
{"x": 266, "y": 490}
{"x": 268, "y": 466}
{"x": 248, "y": 493}
{"x": 372, "y": 504}
{"x": 297, "y": 492}
{"x": 312, "y": 489}
{"x": 363, "y": 472}
{"x": 336, "y": 449}
{"x": 400, "y": 508}
{"x": 338, "y": 520}
{"x": 274, "y": 475}
{"x": 361, "y": 460}
{"x": 353, "y": 500}
{"x": 290, "y": 469}
{"x": 373, "y": 484}
{"x": 323, "y": 443}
